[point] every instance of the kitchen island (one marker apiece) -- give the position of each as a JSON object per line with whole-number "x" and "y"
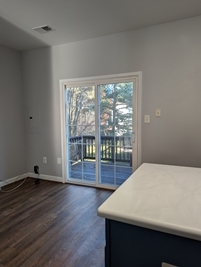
{"x": 154, "y": 217}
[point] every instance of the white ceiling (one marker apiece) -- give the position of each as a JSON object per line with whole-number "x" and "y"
{"x": 76, "y": 20}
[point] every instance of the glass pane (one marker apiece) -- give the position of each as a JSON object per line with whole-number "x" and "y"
{"x": 89, "y": 140}
{"x": 116, "y": 107}
{"x": 81, "y": 131}
{"x": 88, "y": 130}
{"x": 107, "y": 152}
{"x": 75, "y": 152}
{"x": 123, "y": 129}
{"x": 75, "y": 170}
{"x": 89, "y": 151}
{"x": 81, "y": 115}
{"x": 80, "y": 110}
{"x": 75, "y": 131}
{"x": 89, "y": 171}
{"x": 81, "y": 96}
{"x": 123, "y": 141}
{"x": 80, "y": 123}
{"x": 107, "y": 107}
{"x": 123, "y": 150}
{"x": 116, "y": 132}
{"x": 123, "y": 120}
{"x": 123, "y": 156}
{"x": 107, "y": 174}
{"x": 106, "y": 130}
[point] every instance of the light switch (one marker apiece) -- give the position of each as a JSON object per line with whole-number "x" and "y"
{"x": 58, "y": 160}
{"x": 147, "y": 118}
{"x": 158, "y": 113}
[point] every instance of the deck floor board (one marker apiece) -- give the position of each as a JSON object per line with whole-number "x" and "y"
{"x": 110, "y": 174}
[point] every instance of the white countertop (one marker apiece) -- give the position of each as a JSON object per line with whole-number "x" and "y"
{"x": 159, "y": 197}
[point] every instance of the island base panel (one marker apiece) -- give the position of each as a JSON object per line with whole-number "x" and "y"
{"x": 129, "y": 246}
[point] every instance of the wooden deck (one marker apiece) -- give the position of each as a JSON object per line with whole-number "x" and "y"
{"x": 110, "y": 174}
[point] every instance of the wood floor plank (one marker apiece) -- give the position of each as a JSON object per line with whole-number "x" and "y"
{"x": 52, "y": 224}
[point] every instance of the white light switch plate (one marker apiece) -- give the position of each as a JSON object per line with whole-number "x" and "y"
{"x": 157, "y": 112}
{"x": 58, "y": 160}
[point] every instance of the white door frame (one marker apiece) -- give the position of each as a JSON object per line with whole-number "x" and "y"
{"x": 137, "y": 79}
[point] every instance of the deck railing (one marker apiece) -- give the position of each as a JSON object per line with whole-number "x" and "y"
{"x": 112, "y": 148}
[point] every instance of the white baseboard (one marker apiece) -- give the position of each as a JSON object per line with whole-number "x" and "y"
{"x": 46, "y": 177}
{"x": 31, "y": 175}
{"x": 13, "y": 179}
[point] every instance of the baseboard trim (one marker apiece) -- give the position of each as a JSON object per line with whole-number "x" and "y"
{"x": 31, "y": 175}
{"x": 46, "y": 177}
{"x": 13, "y": 179}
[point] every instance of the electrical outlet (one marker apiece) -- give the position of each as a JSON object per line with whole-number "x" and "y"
{"x": 147, "y": 118}
{"x": 44, "y": 159}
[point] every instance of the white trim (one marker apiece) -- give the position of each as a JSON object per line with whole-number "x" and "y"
{"x": 46, "y": 177}
{"x": 76, "y": 182}
{"x": 63, "y": 131}
{"x": 31, "y": 175}
{"x": 14, "y": 179}
{"x": 139, "y": 116}
{"x": 94, "y": 81}
{"x": 97, "y": 79}
{"x": 97, "y": 133}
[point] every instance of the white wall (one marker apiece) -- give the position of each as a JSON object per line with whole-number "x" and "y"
{"x": 12, "y": 117}
{"x": 170, "y": 60}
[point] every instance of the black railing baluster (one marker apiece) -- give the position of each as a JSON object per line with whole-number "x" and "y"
{"x": 111, "y": 147}
{"x": 105, "y": 149}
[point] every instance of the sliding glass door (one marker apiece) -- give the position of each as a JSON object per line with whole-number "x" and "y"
{"x": 100, "y": 132}
{"x": 80, "y": 129}
{"x": 115, "y": 130}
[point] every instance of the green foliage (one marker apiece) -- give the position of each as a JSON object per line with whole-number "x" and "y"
{"x": 115, "y": 109}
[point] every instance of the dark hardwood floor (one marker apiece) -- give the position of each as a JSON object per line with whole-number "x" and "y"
{"x": 51, "y": 224}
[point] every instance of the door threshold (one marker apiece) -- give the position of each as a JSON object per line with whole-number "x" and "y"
{"x": 108, "y": 187}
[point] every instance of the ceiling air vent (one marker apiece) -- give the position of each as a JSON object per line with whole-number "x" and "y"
{"x": 43, "y": 29}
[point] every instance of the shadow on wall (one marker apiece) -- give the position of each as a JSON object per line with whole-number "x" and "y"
{"x": 12, "y": 124}
{"x": 42, "y": 98}
{"x": 16, "y": 38}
